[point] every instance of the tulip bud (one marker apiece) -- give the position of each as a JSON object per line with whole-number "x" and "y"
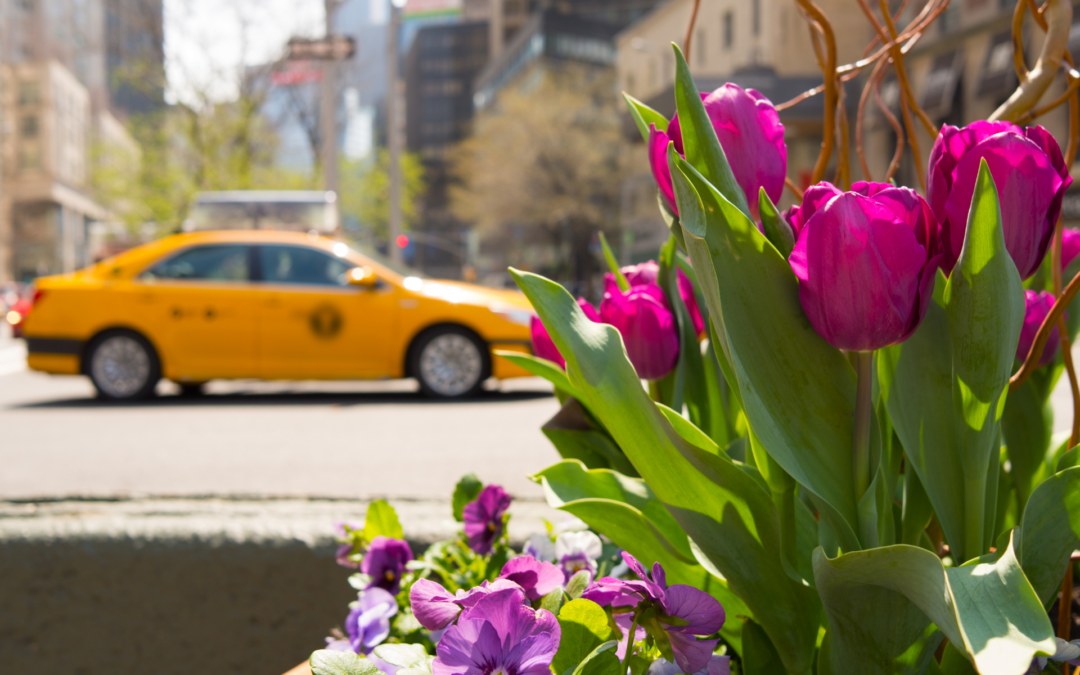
{"x": 542, "y": 344}
{"x": 646, "y": 274}
{"x": 1070, "y": 246}
{"x": 866, "y": 261}
{"x": 749, "y": 130}
{"x": 686, "y": 291}
{"x": 1031, "y": 179}
{"x": 647, "y": 327}
{"x": 1037, "y": 306}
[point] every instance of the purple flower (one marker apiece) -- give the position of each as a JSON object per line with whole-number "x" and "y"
{"x": 698, "y": 612}
{"x": 498, "y": 635}
{"x": 345, "y": 549}
{"x": 1070, "y": 246}
{"x": 686, "y": 291}
{"x": 536, "y": 578}
{"x": 540, "y": 547}
{"x": 718, "y": 665}
{"x": 1037, "y": 306}
{"x": 751, "y": 134}
{"x": 647, "y": 327}
{"x": 576, "y": 551}
{"x": 435, "y": 608}
{"x": 1031, "y": 179}
{"x": 484, "y": 518}
{"x": 642, "y": 274}
{"x": 542, "y": 344}
{"x": 385, "y": 563}
{"x": 369, "y": 623}
{"x": 866, "y": 262}
{"x": 645, "y": 275}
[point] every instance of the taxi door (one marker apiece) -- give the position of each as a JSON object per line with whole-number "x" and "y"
{"x": 314, "y": 324}
{"x": 203, "y": 304}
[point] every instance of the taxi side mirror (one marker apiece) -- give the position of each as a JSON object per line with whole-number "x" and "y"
{"x": 361, "y": 276}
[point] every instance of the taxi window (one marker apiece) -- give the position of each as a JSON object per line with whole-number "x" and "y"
{"x": 222, "y": 262}
{"x": 301, "y": 265}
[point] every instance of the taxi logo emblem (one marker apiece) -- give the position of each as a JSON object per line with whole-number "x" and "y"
{"x": 326, "y": 321}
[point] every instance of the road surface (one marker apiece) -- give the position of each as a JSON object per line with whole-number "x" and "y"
{"x": 357, "y": 440}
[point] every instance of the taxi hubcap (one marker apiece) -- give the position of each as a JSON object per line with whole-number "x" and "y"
{"x": 120, "y": 366}
{"x": 451, "y": 364}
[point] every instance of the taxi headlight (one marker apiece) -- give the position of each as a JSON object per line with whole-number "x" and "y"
{"x": 521, "y": 317}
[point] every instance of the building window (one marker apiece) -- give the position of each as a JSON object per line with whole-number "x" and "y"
{"x": 29, "y": 93}
{"x": 755, "y": 9}
{"x": 729, "y": 30}
{"x": 28, "y": 126}
{"x": 699, "y": 47}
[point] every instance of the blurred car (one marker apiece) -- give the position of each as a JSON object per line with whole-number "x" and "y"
{"x": 15, "y": 315}
{"x": 270, "y": 305}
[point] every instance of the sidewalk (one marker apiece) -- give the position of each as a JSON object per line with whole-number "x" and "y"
{"x": 12, "y": 352}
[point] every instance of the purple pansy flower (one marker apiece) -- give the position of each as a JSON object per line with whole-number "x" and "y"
{"x": 535, "y": 577}
{"x": 499, "y": 636}
{"x": 345, "y": 550}
{"x": 435, "y": 608}
{"x": 484, "y": 518}
{"x": 699, "y": 613}
{"x": 369, "y": 623}
{"x": 385, "y": 563}
{"x": 576, "y": 551}
{"x": 718, "y": 665}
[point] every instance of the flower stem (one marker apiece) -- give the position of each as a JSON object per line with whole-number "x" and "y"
{"x": 629, "y": 645}
{"x": 863, "y": 410}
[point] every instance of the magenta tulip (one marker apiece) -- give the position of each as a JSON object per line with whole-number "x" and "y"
{"x": 1037, "y": 306}
{"x": 1070, "y": 246}
{"x": 542, "y": 344}
{"x": 645, "y": 275}
{"x": 866, "y": 261}
{"x": 751, "y": 134}
{"x": 647, "y": 327}
{"x": 1031, "y": 179}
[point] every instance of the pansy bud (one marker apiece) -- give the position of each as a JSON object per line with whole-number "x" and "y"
{"x": 1036, "y": 307}
{"x": 749, "y": 130}
{"x": 866, "y": 261}
{"x": 542, "y": 344}
{"x": 647, "y": 327}
{"x": 1031, "y": 179}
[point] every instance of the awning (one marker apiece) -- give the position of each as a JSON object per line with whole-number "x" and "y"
{"x": 940, "y": 84}
{"x": 998, "y": 76}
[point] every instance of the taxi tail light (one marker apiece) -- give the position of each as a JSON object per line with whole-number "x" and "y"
{"x": 36, "y": 297}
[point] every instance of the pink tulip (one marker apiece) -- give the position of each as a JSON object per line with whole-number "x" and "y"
{"x": 751, "y": 135}
{"x": 542, "y": 344}
{"x": 645, "y": 275}
{"x": 1031, "y": 179}
{"x": 1070, "y": 246}
{"x": 1037, "y": 306}
{"x": 647, "y": 327}
{"x": 866, "y": 261}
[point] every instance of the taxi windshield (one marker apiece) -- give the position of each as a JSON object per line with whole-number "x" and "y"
{"x": 376, "y": 257}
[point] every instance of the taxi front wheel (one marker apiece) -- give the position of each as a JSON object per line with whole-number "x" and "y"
{"x": 123, "y": 365}
{"x": 450, "y": 361}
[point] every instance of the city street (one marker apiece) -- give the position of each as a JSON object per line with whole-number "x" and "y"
{"x": 355, "y": 440}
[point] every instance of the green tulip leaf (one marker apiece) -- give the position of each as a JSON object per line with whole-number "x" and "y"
{"x": 723, "y": 509}
{"x": 613, "y": 265}
{"x": 1051, "y": 531}
{"x": 541, "y": 368}
{"x": 1027, "y": 427}
{"x": 644, "y": 116}
{"x": 575, "y": 437}
{"x": 797, "y": 391}
{"x": 777, "y": 231}
{"x": 989, "y": 610}
{"x": 759, "y": 656}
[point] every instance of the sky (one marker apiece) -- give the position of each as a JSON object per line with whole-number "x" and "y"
{"x": 207, "y": 42}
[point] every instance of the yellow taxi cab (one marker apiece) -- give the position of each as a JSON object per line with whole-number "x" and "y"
{"x": 268, "y": 305}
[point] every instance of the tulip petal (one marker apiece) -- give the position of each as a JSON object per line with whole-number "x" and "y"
{"x": 658, "y": 147}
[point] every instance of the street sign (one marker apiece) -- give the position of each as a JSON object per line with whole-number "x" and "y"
{"x": 292, "y": 73}
{"x": 335, "y": 47}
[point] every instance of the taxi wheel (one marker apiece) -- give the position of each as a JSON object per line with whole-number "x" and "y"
{"x": 450, "y": 361}
{"x": 123, "y": 366}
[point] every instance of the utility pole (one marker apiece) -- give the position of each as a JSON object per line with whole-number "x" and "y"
{"x": 496, "y": 28}
{"x": 328, "y": 120}
{"x": 393, "y": 127}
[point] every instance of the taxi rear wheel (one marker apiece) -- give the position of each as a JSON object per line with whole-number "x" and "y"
{"x": 123, "y": 366}
{"x": 450, "y": 361}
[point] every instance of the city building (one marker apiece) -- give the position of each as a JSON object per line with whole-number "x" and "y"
{"x": 46, "y": 211}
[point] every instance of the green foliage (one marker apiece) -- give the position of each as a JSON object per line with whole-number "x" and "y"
{"x": 466, "y": 490}
{"x": 585, "y": 628}
{"x": 365, "y": 191}
{"x": 382, "y": 520}
{"x": 329, "y": 662}
{"x": 411, "y": 659}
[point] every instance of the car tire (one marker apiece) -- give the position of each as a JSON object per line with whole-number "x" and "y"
{"x": 123, "y": 366}
{"x": 450, "y": 362}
